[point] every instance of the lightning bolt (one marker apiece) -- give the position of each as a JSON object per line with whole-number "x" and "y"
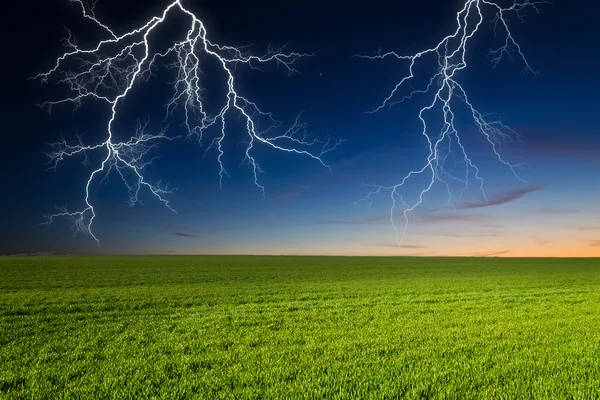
{"x": 444, "y": 91}
{"x": 109, "y": 71}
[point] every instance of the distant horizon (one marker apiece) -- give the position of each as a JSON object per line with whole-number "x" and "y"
{"x": 41, "y": 254}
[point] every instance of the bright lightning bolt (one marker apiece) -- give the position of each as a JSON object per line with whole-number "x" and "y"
{"x": 445, "y": 90}
{"x": 109, "y": 71}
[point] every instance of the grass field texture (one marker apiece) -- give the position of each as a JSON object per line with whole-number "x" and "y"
{"x": 298, "y": 327}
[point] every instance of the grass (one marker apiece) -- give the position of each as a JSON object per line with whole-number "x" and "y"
{"x": 299, "y": 327}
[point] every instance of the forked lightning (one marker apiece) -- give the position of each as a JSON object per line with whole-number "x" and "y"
{"x": 109, "y": 71}
{"x": 444, "y": 90}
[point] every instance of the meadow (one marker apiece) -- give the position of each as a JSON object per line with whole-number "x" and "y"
{"x": 225, "y": 327}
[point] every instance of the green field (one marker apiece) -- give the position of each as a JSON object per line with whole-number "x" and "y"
{"x": 299, "y": 327}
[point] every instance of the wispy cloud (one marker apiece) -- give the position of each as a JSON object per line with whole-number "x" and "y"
{"x": 400, "y": 246}
{"x": 587, "y": 227}
{"x": 187, "y": 235}
{"x": 550, "y": 143}
{"x": 439, "y": 218}
{"x": 432, "y": 218}
{"x": 362, "y": 221}
{"x": 436, "y": 219}
{"x": 480, "y": 254}
{"x": 202, "y": 231}
{"x": 493, "y": 254}
{"x": 558, "y": 210}
{"x": 595, "y": 243}
{"x": 466, "y": 235}
{"x": 501, "y": 198}
{"x": 541, "y": 241}
{"x": 293, "y": 192}
{"x": 421, "y": 218}
{"x": 589, "y": 151}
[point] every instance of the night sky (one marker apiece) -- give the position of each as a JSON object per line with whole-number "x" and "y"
{"x": 308, "y": 209}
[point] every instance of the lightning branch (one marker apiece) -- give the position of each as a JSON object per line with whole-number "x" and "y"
{"x": 109, "y": 71}
{"x": 448, "y": 162}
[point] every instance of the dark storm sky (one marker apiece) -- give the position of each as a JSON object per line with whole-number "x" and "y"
{"x": 308, "y": 209}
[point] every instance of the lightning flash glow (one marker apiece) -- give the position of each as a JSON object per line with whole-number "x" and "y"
{"x": 444, "y": 91}
{"x": 109, "y": 71}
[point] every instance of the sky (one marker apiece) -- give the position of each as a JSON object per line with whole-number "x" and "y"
{"x": 309, "y": 209}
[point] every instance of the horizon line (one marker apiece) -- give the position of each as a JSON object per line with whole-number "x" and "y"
{"x": 42, "y": 254}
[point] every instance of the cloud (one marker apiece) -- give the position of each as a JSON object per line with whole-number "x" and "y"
{"x": 481, "y": 254}
{"x": 501, "y": 198}
{"x": 589, "y": 151}
{"x": 557, "y": 210}
{"x": 363, "y": 221}
{"x": 418, "y": 219}
{"x": 541, "y": 241}
{"x": 293, "y": 192}
{"x": 550, "y": 143}
{"x": 482, "y": 220}
{"x": 496, "y": 253}
{"x": 438, "y": 218}
{"x": 587, "y": 227}
{"x": 205, "y": 231}
{"x": 466, "y": 235}
{"x": 595, "y": 243}
{"x": 187, "y": 235}
{"x": 401, "y": 246}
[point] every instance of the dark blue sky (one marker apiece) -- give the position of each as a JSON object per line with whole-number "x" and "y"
{"x": 308, "y": 209}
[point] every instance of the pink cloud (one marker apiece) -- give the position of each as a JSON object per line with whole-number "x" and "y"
{"x": 502, "y": 198}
